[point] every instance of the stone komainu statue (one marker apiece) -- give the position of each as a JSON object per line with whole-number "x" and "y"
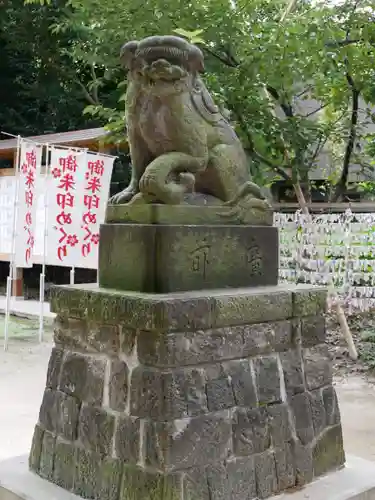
{"x": 180, "y": 142}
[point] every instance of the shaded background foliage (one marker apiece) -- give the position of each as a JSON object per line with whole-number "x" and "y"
{"x": 62, "y": 58}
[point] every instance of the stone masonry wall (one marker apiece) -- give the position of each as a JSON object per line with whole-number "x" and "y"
{"x": 235, "y": 403}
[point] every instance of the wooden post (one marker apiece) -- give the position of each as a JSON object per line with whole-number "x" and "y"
{"x": 17, "y": 283}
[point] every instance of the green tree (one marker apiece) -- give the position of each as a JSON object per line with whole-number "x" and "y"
{"x": 260, "y": 65}
{"x": 39, "y": 93}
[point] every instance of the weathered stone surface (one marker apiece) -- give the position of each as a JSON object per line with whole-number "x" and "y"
{"x": 218, "y": 484}
{"x": 188, "y": 443}
{"x": 265, "y": 338}
{"x": 36, "y": 448}
{"x": 331, "y": 406}
{"x": 83, "y": 377}
{"x": 266, "y": 478}
{"x": 86, "y": 478}
{"x": 300, "y": 405}
{"x": 183, "y": 393}
{"x": 182, "y": 312}
{"x": 146, "y": 396}
{"x": 267, "y": 379}
{"x": 127, "y": 438}
{"x": 97, "y": 478}
{"x": 242, "y": 382}
{"x": 195, "y": 485}
{"x": 328, "y": 451}
{"x": 279, "y": 424}
{"x": 213, "y": 345}
{"x": 118, "y": 385}
{"x": 86, "y": 336}
{"x": 167, "y": 395}
{"x": 192, "y": 382}
{"x": 189, "y": 348}
{"x": 251, "y": 432}
{"x": 196, "y": 215}
{"x": 318, "y": 367}
{"x": 90, "y": 303}
{"x": 220, "y": 397}
{"x": 103, "y": 338}
{"x": 318, "y": 411}
{"x": 313, "y": 330}
{"x": 303, "y": 463}
{"x": 309, "y": 301}
{"x": 96, "y": 430}
{"x": 64, "y": 467}
{"x": 291, "y": 362}
{"x": 285, "y": 471}
{"x": 47, "y": 456}
{"x": 69, "y": 332}
{"x": 241, "y": 478}
{"x": 110, "y": 476}
{"x": 177, "y": 312}
{"x": 54, "y": 368}
{"x": 137, "y": 483}
{"x": 128, "y": 340}
{"x": 48, "y": 411}
{"x": 219, "y": 394}
{"x": 182, "y": 258}
{"x": 59, "y": 413}
{"x": 68, "y": 412}
{"x": 245, "y": 307}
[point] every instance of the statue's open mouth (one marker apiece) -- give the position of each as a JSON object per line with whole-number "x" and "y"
{"x": 164, "y": 71}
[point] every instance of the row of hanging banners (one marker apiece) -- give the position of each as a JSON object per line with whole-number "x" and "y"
{"x": 74, "y": 189}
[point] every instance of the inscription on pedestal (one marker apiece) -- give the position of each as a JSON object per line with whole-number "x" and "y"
{"x": 254, "y": 259}
{"x": 200, "y": 259}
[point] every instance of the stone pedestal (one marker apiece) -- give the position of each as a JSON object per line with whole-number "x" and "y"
{"x": 162, "y": 258}
{"x": 215, "y": 395}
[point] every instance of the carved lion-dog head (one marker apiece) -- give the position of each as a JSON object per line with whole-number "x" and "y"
{"x": 162, "y": 59}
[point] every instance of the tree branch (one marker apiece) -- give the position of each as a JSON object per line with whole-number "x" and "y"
{"x": 271, "y": 165}
{"x": 343, "y": 43}
{"x": 341, "y": 185}
{"x": 86, "y": 93}
{"x": 228, "y": 60}
{"x": 343, "y": 181}
{"x": 316, "y": 110}
{"x": 95, "y": 84}
{"x": 253, "y": 152}
{"x": 286, "y": 107}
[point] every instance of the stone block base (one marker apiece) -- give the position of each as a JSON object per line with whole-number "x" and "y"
{"x": 356, "y": 481}
{"x": 216, "y": 395}
{"x": 167, "y": 258}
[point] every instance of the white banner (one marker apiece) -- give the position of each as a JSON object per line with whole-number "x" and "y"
{"x": 65, "y": 184}
{"x": 28, "y": 174}
{"x": 78, "y": 190}
{"x": 95, "y": 198}
{"x": 7, "y": 207}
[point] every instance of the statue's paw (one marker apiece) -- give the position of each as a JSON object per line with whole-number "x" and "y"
{"x": 139, "y": 199}
{"x": 122, "y": 197}
{"x": 147, "y": 183}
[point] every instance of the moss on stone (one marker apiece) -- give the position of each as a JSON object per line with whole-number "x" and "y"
{"x": 328, "y": 451}
{"x": 139, "y": 484}
{"x": 309, "y": 301}
{"x": 36, "y": 449}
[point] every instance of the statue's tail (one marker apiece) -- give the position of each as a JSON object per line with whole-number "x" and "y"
{"x": 247, "y": 206}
